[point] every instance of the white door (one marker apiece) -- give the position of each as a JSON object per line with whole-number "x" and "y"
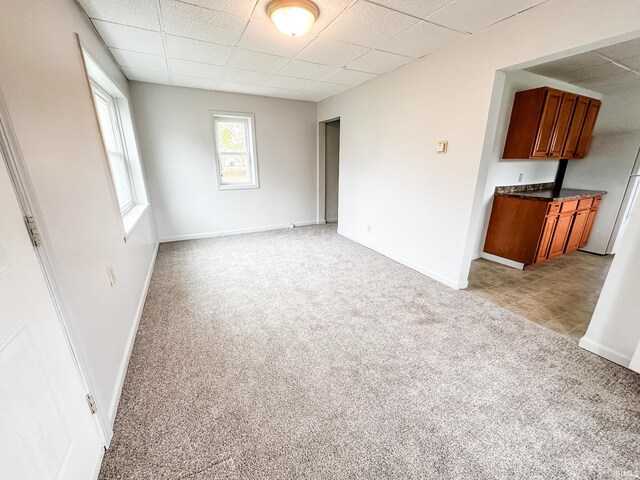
{"x": 46, "y": 428}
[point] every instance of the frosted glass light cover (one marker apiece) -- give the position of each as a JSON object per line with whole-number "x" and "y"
{"x": 293, "y": 18}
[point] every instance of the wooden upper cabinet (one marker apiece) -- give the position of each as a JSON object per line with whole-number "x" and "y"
{"x": 587, "y": 128}
{"x": 548, "y": 123}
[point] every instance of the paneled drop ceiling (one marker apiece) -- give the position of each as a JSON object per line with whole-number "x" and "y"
{"x": 606, "y": 69}
{"x": 231, "y": 45}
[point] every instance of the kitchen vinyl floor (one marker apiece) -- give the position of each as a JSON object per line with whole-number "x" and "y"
{"x": 561, "y": 294}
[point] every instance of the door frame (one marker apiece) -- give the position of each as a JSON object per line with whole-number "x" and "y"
{"x": 322, "y": 169}
{"x": 27, "y": 199}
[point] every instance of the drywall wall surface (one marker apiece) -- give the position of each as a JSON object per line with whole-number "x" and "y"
{"x": 332, "y": 167}
{"x": 420, "y": 204}
{"x": 614, "y": 331}
{"x": 508, "y": 171}
{"x": 607, "y": 167}
{"x": 176, "y": 139}
{"x": 45, "y": 88}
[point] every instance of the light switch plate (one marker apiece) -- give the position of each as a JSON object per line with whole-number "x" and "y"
{"x": 442, "y": 146}
{"x": 112, "y": 275}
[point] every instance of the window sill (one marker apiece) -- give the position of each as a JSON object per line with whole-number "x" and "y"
{"x": 131, "y": 219}
{"x": 237, "y": 187}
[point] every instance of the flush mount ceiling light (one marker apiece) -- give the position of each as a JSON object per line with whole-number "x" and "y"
{"x": 293, "y": 17}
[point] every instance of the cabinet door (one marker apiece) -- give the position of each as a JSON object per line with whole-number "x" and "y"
{"x": 546, "y": 124}
{"x": 579, "y": 114}
{"x": 577, "y": 230}
{"x": 587, "y": 128}
{"x": 561, "y": 127}
{"x": 560, "y": 234}
{"x": 588, "y": 227}
{"x": 545, "y": 238}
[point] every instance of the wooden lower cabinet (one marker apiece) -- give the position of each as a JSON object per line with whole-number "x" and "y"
{"x": 532, "y": 231}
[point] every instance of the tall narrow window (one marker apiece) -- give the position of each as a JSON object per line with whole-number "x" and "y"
{"x": 235, "y": 151}
{"x": 108, "y": 118}
{"x": 119, "y": 140}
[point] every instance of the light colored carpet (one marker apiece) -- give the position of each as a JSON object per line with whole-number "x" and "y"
{"x": 298, "y": 354}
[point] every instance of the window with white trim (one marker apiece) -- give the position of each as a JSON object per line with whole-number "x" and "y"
{"x": 119, "y": 140}
{"x": 109, "y": 119}
{"x": 235, "y": 150}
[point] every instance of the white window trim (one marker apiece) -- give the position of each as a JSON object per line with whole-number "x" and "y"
{"x": 253, "y": 158}
{"x": 130, "y": 217}
{"x": 117, "y": 127}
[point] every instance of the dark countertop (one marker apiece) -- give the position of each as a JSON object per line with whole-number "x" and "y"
{"x": 546, "y": 195}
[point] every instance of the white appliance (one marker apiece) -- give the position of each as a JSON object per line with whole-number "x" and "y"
{"x": 631, "y": 200}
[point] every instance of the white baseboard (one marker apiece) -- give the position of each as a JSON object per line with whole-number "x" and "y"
{"x": 605, "y": 352}
{"x": 502, "y": 261}
{"x": 446, "y": 281}
{"x": 124, "y": 363}
{"x": 239, "y": 231}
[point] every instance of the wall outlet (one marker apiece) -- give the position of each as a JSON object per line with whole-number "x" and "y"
{"x": 111, "y": 274}
{"x": 520, "y": 177}
{"x": 369, "y": 228}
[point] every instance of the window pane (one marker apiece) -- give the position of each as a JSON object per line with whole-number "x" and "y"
{"x": 232, "y": 136}
{"x": 106, "y": 124}
{"x": 234, "y": 169}
{"x": 121, "y": 181}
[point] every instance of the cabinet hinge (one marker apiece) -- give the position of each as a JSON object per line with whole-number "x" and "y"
{"x": 93, "y": 407}
{"x": 32, "y": 228}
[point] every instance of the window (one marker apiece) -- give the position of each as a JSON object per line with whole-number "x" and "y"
{"x": 235, "y": 150}
{"x": 108, "y": 118}
{"x": 116, "y": 127}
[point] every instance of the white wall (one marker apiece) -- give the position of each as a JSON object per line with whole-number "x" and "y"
{"x": 176, "y": 139}
{"x": 421, "y": 204}
{"x": 607, "y": 167}
{"x": 332, "y": 168}
{"x": 614, "y": 331}
{"x": 47, "y": 95}
{"x": 507, "y": 171}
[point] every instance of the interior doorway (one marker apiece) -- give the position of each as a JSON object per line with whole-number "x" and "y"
{"x": 557, "y": 282}
{"x": 332, "y": 171}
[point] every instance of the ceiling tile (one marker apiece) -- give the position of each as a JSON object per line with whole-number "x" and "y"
{"x": 378, "y": 62}
{"x": 583, "y": 60}
{"x": 127, "y": 58}
{"x": 348, "y": 77}
{"x": 194, "y": 69}
{"x": 142, "y": 75}
{"x": 290, "y": 83}
{"x": 197, "y": 50}
{"x": 322, "y": 90}
{"x": 258, "y": 62}
{"x": 622, "y": 50}
{"x": 617, "y": 79}
{"x": 368, "y": 25}
{"x": 240, "y": 88}
{"x": 308, "y": 70}
{"x": 329, "y": 10}
{"x": 193, "y": 82}
{"x": 279, "y": 92}
{"x": 242, "y": 8}
{"x": 130, "y": 38}
{"x": 633, "y": 62}
{"x": 472, "y": 15}
{"x": 201, "y": 23}
{"x": 245, "y": 76}
{"x": 417, "y": 8}
{"x": 590, "y": 72}
{"x": 266, "y": 38}
{"x": 421, "y": 39}
{"x": 331, "y": 52}
{"x": 136, "y": 13}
